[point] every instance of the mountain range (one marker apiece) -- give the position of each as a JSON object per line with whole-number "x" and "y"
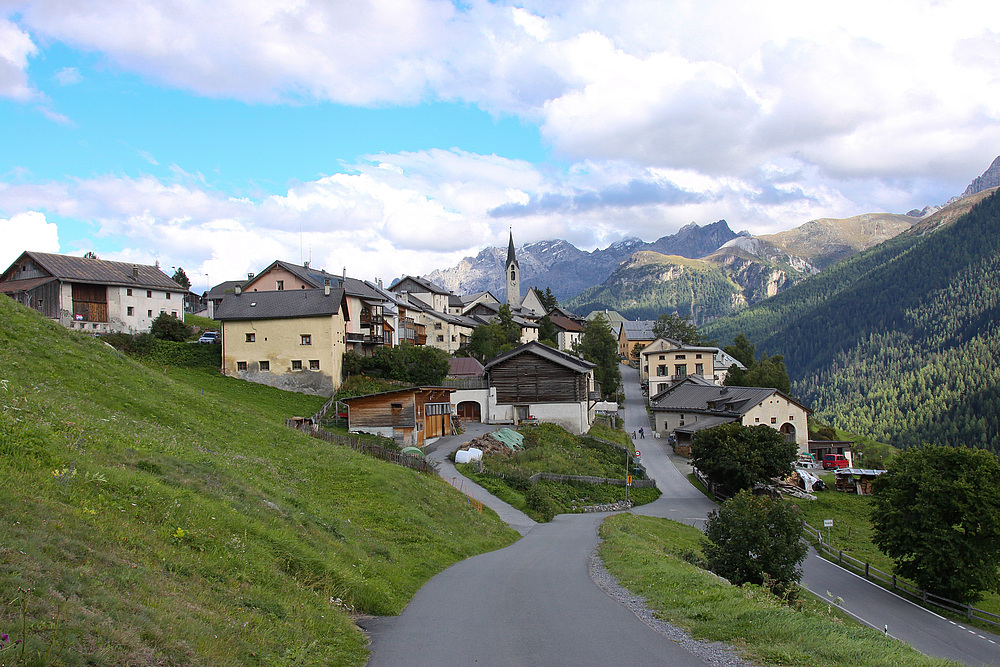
{"x": 701, "y": 271}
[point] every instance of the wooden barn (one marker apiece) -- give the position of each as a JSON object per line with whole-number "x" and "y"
{"x": 536, "y": 382}
{"x": 408, "y": 416}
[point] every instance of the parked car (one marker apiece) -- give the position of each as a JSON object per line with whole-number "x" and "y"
{"x": 835, "y": 461}
{"x": 209, "y": 337}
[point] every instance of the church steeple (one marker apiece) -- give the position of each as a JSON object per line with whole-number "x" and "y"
{"x": 513, "y": 271}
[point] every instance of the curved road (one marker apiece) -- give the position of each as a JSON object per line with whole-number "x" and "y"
{"x": 534, "y": 603}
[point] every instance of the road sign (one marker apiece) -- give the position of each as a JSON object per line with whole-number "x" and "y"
{"x": 638, "y": 453}
{"x": 828, "y": 523}
{"x": 628, "y": 480}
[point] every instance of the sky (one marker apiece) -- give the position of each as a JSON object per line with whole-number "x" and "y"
{"x": 392, "y": 137}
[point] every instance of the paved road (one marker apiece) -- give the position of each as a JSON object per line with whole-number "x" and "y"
{"x": 534, "y": 603}
{"x": 926, "y": 631}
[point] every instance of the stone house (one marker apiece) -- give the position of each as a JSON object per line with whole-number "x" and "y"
{"x": 92, "y": 295}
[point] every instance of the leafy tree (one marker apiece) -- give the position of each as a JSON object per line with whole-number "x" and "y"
{"x": 181, "y": 278}
{"x": 416, "y": 364}
{"x": 742, "y": 350}
{"x": 90, "y": 254}
{"x": 737, "y": 456}
{"x": 936, "y": 513}
{"x": 485, "y": 342}
{"x": 763, "y": 372}
{"x": 547, "y": 332}
{"x": 599, "y": 346}
{"x": 756, "y": 540}
{"x": 510, "y": 329}
{"x": 639, "y": 347}
{"x": 672, "y": 325}
{"x": 168, "y": 327}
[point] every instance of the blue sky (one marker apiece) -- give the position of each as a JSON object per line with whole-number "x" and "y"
{"x": 398, "y": 136}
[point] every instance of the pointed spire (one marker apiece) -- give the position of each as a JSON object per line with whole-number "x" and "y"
{"x": 511, "y": 258}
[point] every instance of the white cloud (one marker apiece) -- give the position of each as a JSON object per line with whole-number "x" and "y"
{"x": 15, "y": 49}
{"x": 68, "y": 76}
{"x": 720, "y": 87}
{"x": 26, "y": 231}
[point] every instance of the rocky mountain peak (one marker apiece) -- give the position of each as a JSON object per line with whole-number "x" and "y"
{"x": 989, "y": 179}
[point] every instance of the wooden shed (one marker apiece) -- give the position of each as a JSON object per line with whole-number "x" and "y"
{"x": 408, "y": 416}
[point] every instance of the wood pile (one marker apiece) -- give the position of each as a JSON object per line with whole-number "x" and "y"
{"x": 490, "y": 446}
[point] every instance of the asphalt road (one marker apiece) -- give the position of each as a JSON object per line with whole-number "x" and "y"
{"x": 534, "y": 602}
{"x": 926, "y": 631}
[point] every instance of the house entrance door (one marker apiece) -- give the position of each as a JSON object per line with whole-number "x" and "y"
{"x": 520, "y": 413}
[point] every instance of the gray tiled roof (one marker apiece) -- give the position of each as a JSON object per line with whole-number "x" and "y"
{"x": 279, "y": 305}
{"x": 691, "y": 395}
{"x": 102, "y": 271}
{"x": 317, "y": 278}
{"x": 423, "y": 283}
{"x": 546, "y": 352}
{"x": 639, "y": 329}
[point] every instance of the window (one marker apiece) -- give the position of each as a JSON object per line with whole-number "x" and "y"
{"x": 680, "y": 356}
{"x": 251, "y": 337}
{"x": 149, "y": 313}
{"x": 697, "y": 356}
{"x": 149, "y": 294}
{"x": 128, "y": 291}
{"x": 168, "y": 296}
{"x": 774, "y": 420}
{"x": 279, "y": 284}
{"x": 241, "y": 365}
{"x": 791, "y": 417}
{"x": 440, "y": 339}
{"x": 296, "y": 364}
{"x": 699, "y": 369}
{"x": 437, "y": 326}
{"x": 453, "y": 339}
{"x": 396, "y": 406}
{"x": 314, "y": 364}
{"x": 661, "y": 370}
{"x": 306, "y": 339}
{"x": 130, "y": 311}
{"x": 681, "y": 370}
{"x": 756, "y": 419}
{"x": 265, "y": 365}
{"x": 162, "y": 312}
{"x": 174, "y": 313}
{"x": 663, "y": 357}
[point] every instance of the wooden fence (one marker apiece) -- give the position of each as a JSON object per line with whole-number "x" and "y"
{"x": 892, "y": 582}
{"x": 417, "y": 463}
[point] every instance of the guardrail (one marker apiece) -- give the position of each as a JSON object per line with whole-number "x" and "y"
{"x": 894, "y": 583}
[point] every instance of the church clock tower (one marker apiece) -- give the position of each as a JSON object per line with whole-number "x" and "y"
{"x": 513, "y": 271}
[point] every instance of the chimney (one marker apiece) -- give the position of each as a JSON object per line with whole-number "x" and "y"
{"x": 305, "y": 264}
{"x": 345, "y": 274}
{"x": 326, "y": 287}
{"x": 238, "y": 290}
{"x": 135, "y": 272}
{"x": 250, "y": 276}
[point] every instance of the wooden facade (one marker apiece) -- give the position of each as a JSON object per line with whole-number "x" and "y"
{"x": 408, "y": 416}
{"x": 527, "y": 378}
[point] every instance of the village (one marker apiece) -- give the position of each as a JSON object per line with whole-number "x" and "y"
{"x": 289, "y": 326}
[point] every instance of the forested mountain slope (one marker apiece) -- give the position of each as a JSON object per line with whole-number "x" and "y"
{"x": 900, "y": 343}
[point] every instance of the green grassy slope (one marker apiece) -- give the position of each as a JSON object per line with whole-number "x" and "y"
{"x": 165, "y": 515}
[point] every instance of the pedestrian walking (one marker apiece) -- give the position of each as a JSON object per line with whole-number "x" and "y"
{"x": 641, "y": 434}
{"x": 633, "y": 435}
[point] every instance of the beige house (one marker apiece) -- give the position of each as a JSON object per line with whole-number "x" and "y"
{"x": 367, "y": 329}
{"x": 92, "y": 295}
{"x": 292, "y": 340}
{"x": 694, "y": 404}
{"x": 665, "y": 361}
{"x": 633, "y": 333}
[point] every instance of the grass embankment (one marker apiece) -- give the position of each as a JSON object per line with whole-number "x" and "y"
{"x": 646, "y": 555}
{"x": 157, "y": 514}
{"x": 550, "y": 448}
{"x": 852, "y": 533}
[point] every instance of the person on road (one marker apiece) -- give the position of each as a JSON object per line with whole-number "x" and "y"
{"x": 633, "y": 435}
{"x": 641, "y": 434}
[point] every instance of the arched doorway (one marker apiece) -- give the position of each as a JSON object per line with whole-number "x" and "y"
{"x": 789, "y": 430}
{"x": 469, "y": 411}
